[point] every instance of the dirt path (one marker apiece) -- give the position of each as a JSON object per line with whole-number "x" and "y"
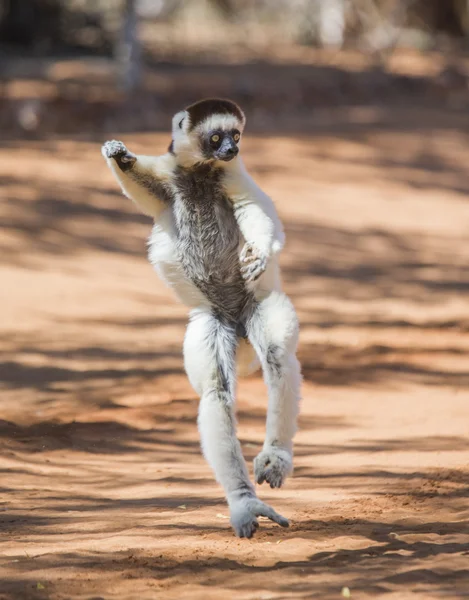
{"x": 104, "y": 493}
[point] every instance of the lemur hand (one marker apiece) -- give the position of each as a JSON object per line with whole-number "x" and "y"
{"x": 253, "y": 263}
{"x": 118, "y": 151}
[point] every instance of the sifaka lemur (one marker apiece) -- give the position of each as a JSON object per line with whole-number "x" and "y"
{"x": 215, "y": 241}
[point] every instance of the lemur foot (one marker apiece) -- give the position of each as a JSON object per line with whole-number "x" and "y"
{"x": 244, "y": 513}
{"x": 118, "y": 151}
{"x": 272, "y": 465}
{"x": 253, "y": 263}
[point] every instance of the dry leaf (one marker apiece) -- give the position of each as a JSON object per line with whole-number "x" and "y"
{"x": 346, "y": 592}
{"x": 39, "y": 586}
{"x": 220, "y": 516}
{"x": 183, "y": 506}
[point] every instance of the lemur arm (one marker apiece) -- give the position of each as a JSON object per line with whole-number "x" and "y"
{"x": 258, "y": 221}
{"x": 142, "y": 178}
{"x": 255, "y": 213}
{"x": 258, "y": 227}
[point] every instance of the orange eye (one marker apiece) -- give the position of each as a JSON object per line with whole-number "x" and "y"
{"x": 215, "y": 138}
{"x": 236, "y": 137}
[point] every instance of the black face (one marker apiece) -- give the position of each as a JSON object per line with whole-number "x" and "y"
{"x": 221, "y": 145}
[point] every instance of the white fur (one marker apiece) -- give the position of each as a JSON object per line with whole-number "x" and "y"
{"x": 186, "y": 142}
{"x": 158, "y": 166}
{"x": 219, "y": 121}
{"x": 185, "y": 146}
{"x": 254, "y": 210}
{"x": 216, "y": 419}
{"x": 162, "y": 255}
{"x": 217, "y": 424}
{"x": 273, "y": 325}
{"x": 276, "y": 323}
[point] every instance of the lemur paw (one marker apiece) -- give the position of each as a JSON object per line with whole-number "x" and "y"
{"x": 253, "y": 263}
{"x": 244, "y": 513}
{"x": 118, "y": 151}
{"x": 272, "y": 465}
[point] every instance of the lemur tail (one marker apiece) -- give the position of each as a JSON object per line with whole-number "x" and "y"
{"x": 247, "y": 361}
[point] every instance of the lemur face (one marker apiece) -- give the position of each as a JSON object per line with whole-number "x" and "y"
{"x": 209, "y": 130}
{"x": 220, "y": 145}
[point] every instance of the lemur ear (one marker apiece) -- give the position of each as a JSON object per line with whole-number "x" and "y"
{"x": 179, "y": 121}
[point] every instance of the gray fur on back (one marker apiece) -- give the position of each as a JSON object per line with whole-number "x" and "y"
{"x": 208, "y": 239}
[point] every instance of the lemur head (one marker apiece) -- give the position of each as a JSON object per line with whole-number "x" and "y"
{"x": 209, "y": 130}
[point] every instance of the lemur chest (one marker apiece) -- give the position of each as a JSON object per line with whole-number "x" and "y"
{"x": 207, "y": 232}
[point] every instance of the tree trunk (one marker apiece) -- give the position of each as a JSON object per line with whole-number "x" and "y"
{"x": 129, "y": 52}
{"x": 332, "y": 23}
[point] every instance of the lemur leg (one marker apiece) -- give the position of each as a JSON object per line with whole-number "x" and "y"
{"x": 273, "y": 331}
{"x": 210, "y": 362}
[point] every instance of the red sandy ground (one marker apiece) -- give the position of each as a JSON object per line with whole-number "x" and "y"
{"x": 104, "y": 493}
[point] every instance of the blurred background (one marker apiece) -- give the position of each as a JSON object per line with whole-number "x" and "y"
{"x": 84, "y": 65}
